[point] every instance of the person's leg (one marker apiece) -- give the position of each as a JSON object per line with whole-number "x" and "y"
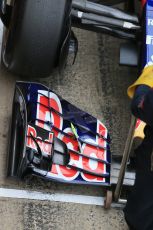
{"x": 139, "y": 208}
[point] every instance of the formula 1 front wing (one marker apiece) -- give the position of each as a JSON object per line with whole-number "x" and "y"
{"x": 53, "y": 139}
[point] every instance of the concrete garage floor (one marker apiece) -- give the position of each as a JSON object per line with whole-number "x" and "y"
{"x": 98, "y": 85}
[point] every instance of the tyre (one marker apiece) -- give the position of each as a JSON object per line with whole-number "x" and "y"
{"x": 33, "y": 42}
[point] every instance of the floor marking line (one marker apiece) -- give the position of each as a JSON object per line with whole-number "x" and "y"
{"x": 54, "y": 197}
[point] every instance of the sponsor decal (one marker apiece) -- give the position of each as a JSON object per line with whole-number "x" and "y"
{"x": 94, "y": 166}
{"x": 64, "y": 172}
{"x": 44, "y": 114}
{"x": 42, "y": 137}
{"x": 149, "y": 40}
{"x": 150, "y": 22}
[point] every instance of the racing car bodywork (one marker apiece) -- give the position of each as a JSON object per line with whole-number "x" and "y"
{"x": 43, "y": 141}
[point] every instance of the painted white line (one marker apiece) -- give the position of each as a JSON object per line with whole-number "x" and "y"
{"x": 56, "y": 197}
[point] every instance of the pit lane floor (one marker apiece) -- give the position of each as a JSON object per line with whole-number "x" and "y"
{"x": 98, "y": 85}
